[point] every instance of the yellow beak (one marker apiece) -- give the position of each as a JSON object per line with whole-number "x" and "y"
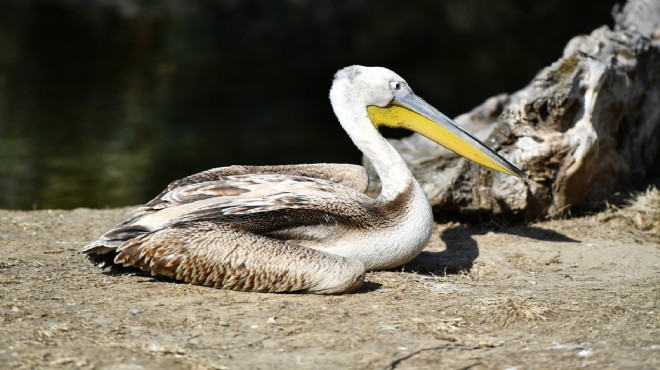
{"x": 413, "y": 113}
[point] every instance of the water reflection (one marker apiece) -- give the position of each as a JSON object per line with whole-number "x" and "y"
{"x": 102, "y": 103}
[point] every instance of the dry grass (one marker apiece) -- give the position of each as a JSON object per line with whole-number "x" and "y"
{"x": 645, "y": 211}
{"x": 642, "y": 212}
{"x": 507, "y": 311}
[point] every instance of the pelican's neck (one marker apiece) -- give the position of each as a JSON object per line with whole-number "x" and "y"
{"x": 390, "y": 166}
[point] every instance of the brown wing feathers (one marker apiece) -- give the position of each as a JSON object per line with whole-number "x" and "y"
{"x": 349, "y": 175}
{"x": 240, "y": 261}
{"x": 234, "y": 243}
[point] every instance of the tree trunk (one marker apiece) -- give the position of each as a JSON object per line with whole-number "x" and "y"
{"x": 583, "y": 127}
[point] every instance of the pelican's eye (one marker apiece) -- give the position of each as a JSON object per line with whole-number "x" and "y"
{"x": 395, "y": 85}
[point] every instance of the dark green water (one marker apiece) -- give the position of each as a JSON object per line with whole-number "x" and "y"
{"x": 103, "y": 103}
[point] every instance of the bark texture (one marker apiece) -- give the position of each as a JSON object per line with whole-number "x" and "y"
{"x": 586, "y": 125}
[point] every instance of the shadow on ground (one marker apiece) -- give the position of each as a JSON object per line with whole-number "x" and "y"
{"x": 462, "y": 249}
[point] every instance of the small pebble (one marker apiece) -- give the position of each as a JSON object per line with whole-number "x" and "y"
{"x": 585, "y": 352}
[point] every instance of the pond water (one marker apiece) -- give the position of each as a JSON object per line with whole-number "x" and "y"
{"x": 102, "y": 103}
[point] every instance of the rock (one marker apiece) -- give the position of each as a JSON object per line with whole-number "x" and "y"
{"x": 585, "y": 126}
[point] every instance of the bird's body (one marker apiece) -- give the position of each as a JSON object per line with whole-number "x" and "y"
{"x": 304, "y": 228}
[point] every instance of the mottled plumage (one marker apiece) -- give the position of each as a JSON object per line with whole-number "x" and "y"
{"x": 222, "y": 227}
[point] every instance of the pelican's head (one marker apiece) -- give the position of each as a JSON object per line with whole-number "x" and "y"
{"x": 390, "y": 102}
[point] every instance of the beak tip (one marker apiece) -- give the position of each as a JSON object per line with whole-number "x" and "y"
{"x": 525, "y": 178}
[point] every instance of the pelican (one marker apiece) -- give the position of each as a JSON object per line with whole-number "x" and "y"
{"x": 300, "y": 228}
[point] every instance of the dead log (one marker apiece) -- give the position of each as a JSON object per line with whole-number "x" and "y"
{"x": 585, "y": 126}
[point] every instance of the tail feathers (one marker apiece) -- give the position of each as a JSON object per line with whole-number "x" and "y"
{"x": 114, "y": 238}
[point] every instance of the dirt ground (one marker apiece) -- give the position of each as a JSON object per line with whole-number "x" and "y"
{"x": 579, "y": 292}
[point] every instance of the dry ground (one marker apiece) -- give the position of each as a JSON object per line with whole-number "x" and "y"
{"x": 581, "y": 292}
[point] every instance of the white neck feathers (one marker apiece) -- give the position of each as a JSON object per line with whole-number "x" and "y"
{"x": 350, "y": 107}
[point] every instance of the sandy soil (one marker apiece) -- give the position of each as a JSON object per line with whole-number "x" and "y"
{"x": 581, "y": 292}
